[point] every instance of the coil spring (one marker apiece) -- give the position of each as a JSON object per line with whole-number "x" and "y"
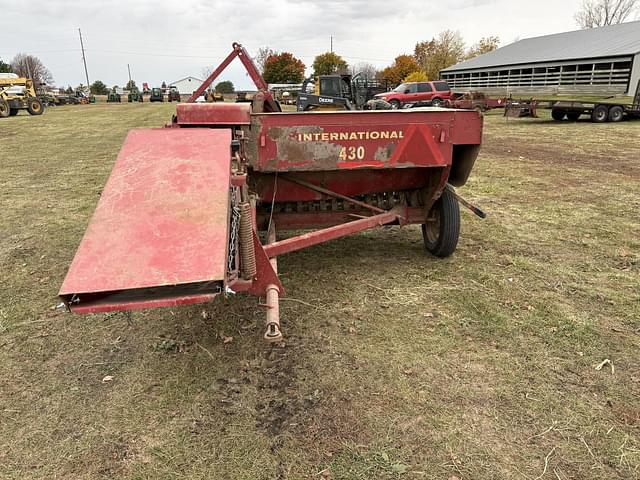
{"x": 247, "y": 254}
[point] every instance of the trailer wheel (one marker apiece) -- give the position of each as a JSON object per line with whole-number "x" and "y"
{"x": 573, "y": 116}
{"x": 34, "y": 106}
{"x": 5, "y": 111}
{"x": 13, "y": 112}
{"x": 395, "y": 104}
{"x": 441, "y": 231}
{"x": 616, "y": 113}
{"x": 558, "y": 114}
{"x": 600, "y": 114}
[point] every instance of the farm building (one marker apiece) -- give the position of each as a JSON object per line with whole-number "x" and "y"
{"x": 599, "y": 61}
{"x": 187, "y": 85}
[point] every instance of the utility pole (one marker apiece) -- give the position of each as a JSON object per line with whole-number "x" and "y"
{"x": 331, "y": 43}
{"x": 129, "y": 70}
{"x": 84, "y": 61}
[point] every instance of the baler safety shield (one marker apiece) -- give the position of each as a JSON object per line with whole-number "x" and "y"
{"x": 159, "y": 234}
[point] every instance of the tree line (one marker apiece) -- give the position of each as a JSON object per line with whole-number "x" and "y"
{"x": 425, "y": 63}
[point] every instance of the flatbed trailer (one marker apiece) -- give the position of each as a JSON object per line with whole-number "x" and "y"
{"x": 599, "y": 111}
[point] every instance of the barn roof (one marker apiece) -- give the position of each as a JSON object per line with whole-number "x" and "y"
{"x": 610, "y": 41}
{"x": 186, "y": 78}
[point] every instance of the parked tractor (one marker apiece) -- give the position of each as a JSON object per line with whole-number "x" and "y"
{"x": 17, "y": 93}
{"x": 173, "y": 95}
{"x": 333, "y": 92}
{"x": 156, "y": 95}
{"x": 114, "y": 96}
{"x": 134, "y": 95}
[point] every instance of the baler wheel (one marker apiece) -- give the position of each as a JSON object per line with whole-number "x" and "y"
{"x": 442, "y": 228}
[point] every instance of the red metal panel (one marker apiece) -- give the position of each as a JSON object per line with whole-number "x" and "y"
{"x": 355, "y": 140}
{"x": 346, "y": 182}
{"x": 162, "y": 218}
{"x": 213, "y": 113}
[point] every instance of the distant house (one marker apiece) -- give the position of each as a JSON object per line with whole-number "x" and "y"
{"x": 186, "y": 85}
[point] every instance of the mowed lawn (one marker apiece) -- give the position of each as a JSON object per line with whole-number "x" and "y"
{"x": 395, "y": 364}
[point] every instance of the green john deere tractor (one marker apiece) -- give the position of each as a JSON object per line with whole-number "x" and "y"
{"x": 114, "y": 96}
{"x": 156, "y": 95}
{"x": 134, "y": 95}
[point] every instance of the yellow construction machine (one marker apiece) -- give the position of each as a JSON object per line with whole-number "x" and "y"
{"x": 17, "y": 93}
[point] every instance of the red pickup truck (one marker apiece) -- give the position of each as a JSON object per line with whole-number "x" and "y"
{"x": 427, "y": 93}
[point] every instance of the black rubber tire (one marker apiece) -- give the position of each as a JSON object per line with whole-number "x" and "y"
{"x": 616, "y": 114}
{"x": 35, "y": 106}
{"x": 558, "y": 114}
{"x": 600, "y": 114}
{"x": 573, "y": 116}
{"x": 395, "y": 104}
{"x": 5, "y": 111}
{"x": 441, "y": 235}
{"x": 436, "y": 102}
{"x": 13, "y": 112}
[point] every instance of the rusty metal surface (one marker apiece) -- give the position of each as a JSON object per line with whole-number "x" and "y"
{"x": 358, "y": 140}
{"x": 162, "y": 219}
{"x": 213, "y": 114}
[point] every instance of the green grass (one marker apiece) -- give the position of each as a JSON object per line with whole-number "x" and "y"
{"x": 397, "y": 365}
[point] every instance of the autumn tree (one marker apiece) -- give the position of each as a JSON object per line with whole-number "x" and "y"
{"x": 226, "y": 86}
{"x": 484, "y": 45}
{"x": 261, "y": 57}
{"x": 439, "y": 53}
{"x": 283, "y": 68}
{"x": 419, "y": 76}
{"x": 402, "y": 66}
{"x": 99, "y": 88}
{"x": 598, "y": 13}
{"x": 328, "y": 64}
{"x": 30, "y": 66}
{"x": 5, "y": 67}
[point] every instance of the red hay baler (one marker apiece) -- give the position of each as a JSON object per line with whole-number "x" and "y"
{"x": 180, "y": 217}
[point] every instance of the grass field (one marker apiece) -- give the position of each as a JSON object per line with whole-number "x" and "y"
{"x": 395, "y": 365}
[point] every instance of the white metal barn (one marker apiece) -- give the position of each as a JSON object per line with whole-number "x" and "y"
{"x": 598, "y": 61}
{"x": 187, "y": 85}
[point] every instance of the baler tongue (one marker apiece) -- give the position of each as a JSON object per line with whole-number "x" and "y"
{"x": 159, "y": 235}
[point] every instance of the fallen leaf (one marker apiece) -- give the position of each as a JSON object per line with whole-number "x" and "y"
{"x": 227, "y": 339}
{"x": 108, "y": 378}
{"x": 606, "y": 361}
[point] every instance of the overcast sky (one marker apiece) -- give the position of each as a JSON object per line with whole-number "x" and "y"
{"x": 166, "y": 41}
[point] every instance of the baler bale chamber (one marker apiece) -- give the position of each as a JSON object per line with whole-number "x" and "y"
{"x": 194, "y": 210}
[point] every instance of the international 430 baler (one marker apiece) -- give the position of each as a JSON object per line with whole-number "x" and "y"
{"x": 181, "y": 217}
